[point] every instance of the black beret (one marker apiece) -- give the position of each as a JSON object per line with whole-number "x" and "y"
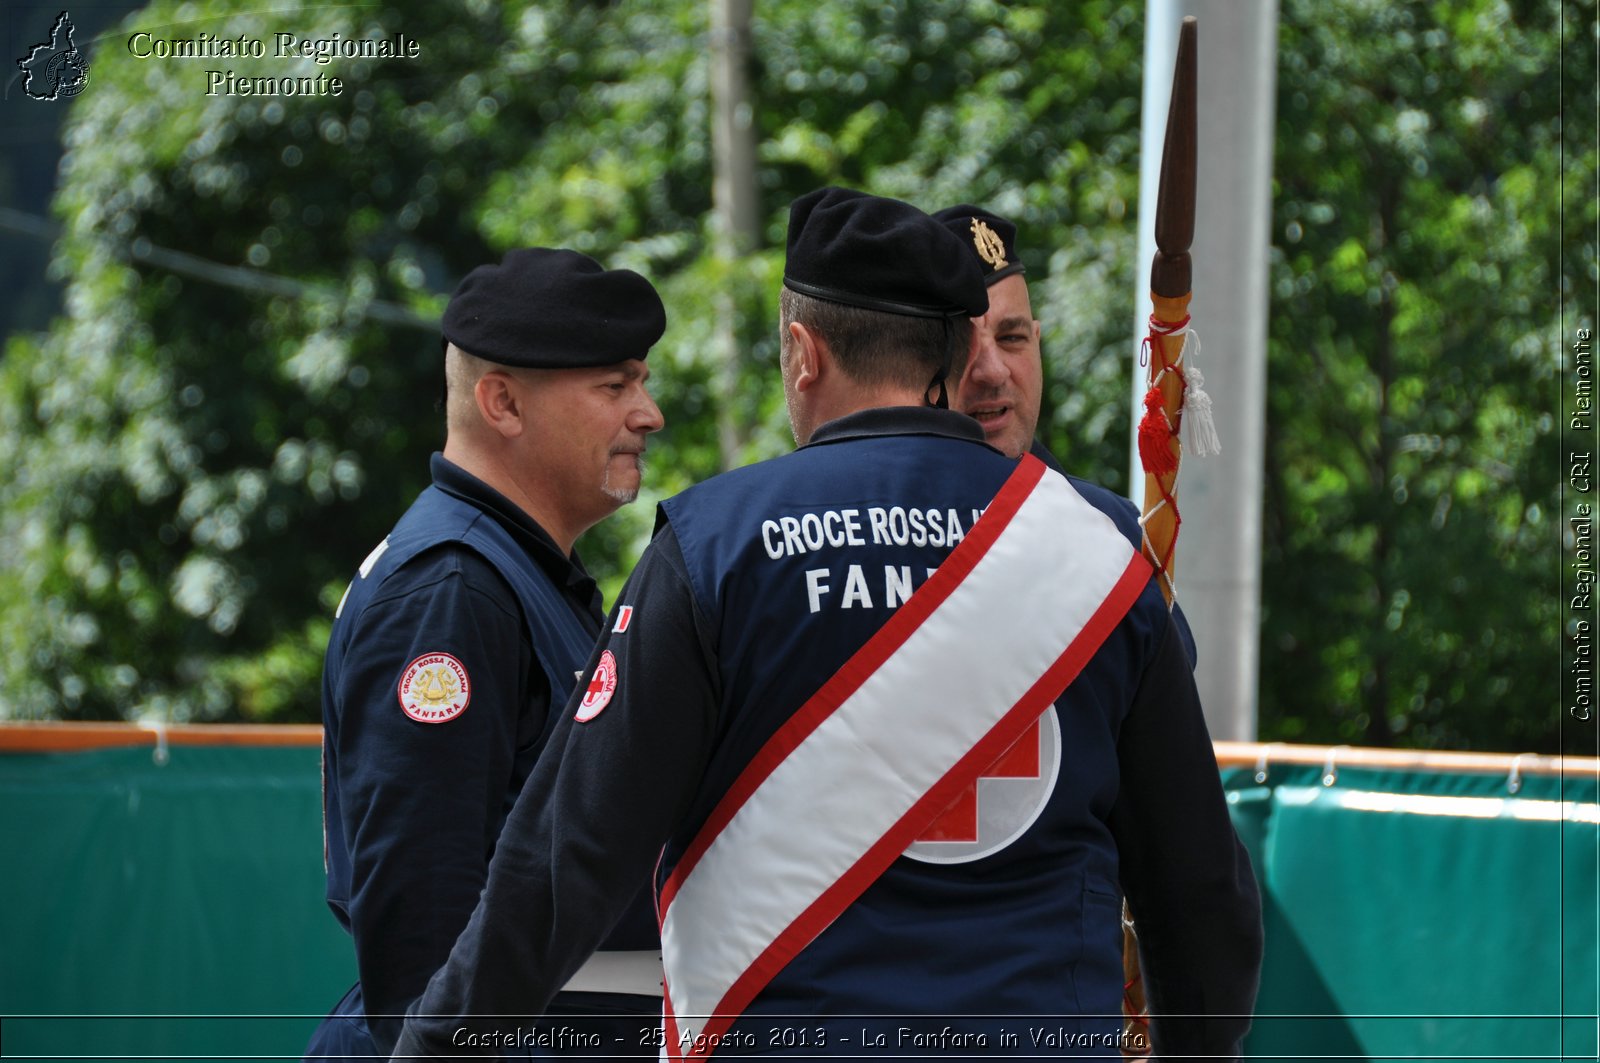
{"x": 547, "y": 309}
{"x": 879, "y": 254}
{"x": 988, "y": 236}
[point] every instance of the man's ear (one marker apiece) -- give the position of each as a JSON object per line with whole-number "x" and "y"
{"x": 812, "y": 359}
{"x": 502, "y": 402}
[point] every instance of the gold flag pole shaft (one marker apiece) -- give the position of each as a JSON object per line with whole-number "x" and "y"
{"x": 1160, "y": 452}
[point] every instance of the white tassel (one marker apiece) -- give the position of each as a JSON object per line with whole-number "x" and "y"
{"x": 1198, "y": 423}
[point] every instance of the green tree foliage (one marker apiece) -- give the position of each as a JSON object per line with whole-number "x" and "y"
{"x": 1411, "y": 547}
{"x": 202, "y": 457}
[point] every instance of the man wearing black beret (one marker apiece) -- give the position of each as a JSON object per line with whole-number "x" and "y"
{"x": 463, "y": 632}
{"x": 1220, "y": 958}
{"x": 857, "y": 712}
{"x": 1004, "y": 379}
{"x": 1003, "y": 383}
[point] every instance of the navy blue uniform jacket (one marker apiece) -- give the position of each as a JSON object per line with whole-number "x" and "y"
{"x": 703, "y": 676}
{"x": 412, "y": 808}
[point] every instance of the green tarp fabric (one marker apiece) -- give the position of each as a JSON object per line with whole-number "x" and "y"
{"x": 172, "y": 907}
{"x": 159, "y": 893}
{"x": 1423, "y": 915}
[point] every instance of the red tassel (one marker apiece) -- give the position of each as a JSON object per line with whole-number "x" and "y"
{"x": 1155, "y": 437}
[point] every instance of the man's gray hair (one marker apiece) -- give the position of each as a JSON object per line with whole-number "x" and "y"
{"x": 462, "y": 371}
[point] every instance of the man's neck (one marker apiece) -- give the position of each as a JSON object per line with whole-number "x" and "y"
{"x": 496, "y": 470}
{"x": 855, "y": 399}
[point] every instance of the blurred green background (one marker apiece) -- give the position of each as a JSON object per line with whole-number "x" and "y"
{"x": 218, "y": 384}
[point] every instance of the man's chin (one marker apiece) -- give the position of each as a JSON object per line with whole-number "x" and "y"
{"x": 1004, "y": 439}
{"x": 622, "y": 486}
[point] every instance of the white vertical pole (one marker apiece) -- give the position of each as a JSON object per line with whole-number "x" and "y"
{"x": 734, "y": 198}
{"x": 1219, "y": 496}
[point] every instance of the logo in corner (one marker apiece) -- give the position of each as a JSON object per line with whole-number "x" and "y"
{"x": 434, "y": 688}
{"x": 55, "y": 69}
{"x": 601, "y": 687}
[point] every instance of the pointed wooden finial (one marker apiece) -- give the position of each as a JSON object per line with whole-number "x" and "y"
{"x": 1171, "y": 274}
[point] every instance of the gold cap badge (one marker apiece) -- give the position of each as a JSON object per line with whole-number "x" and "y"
{"x": 990, "y": 247}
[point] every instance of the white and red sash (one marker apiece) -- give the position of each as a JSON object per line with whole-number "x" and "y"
{"x": 890, "y": 741}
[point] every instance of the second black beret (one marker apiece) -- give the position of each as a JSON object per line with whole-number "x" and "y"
{"x": 988, "y": 237}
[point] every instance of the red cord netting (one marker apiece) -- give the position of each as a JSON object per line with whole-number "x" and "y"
{"x": 1156, "y": 430}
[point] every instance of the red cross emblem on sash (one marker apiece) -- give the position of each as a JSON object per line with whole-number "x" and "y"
{"x": 959, "y": 822}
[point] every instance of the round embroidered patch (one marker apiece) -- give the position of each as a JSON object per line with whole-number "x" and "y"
{"x": 434, "y": 688}
{"x": 601, "y": 687}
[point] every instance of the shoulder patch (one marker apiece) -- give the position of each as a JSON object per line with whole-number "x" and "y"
{"x": 601, "y": 687}
{"x": 434, "y": 688}
{"x": 624, "y": 618}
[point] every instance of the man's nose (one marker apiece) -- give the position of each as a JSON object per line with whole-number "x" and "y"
{"x": 646, "y": 416}
{"x": 985, "y": 366}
